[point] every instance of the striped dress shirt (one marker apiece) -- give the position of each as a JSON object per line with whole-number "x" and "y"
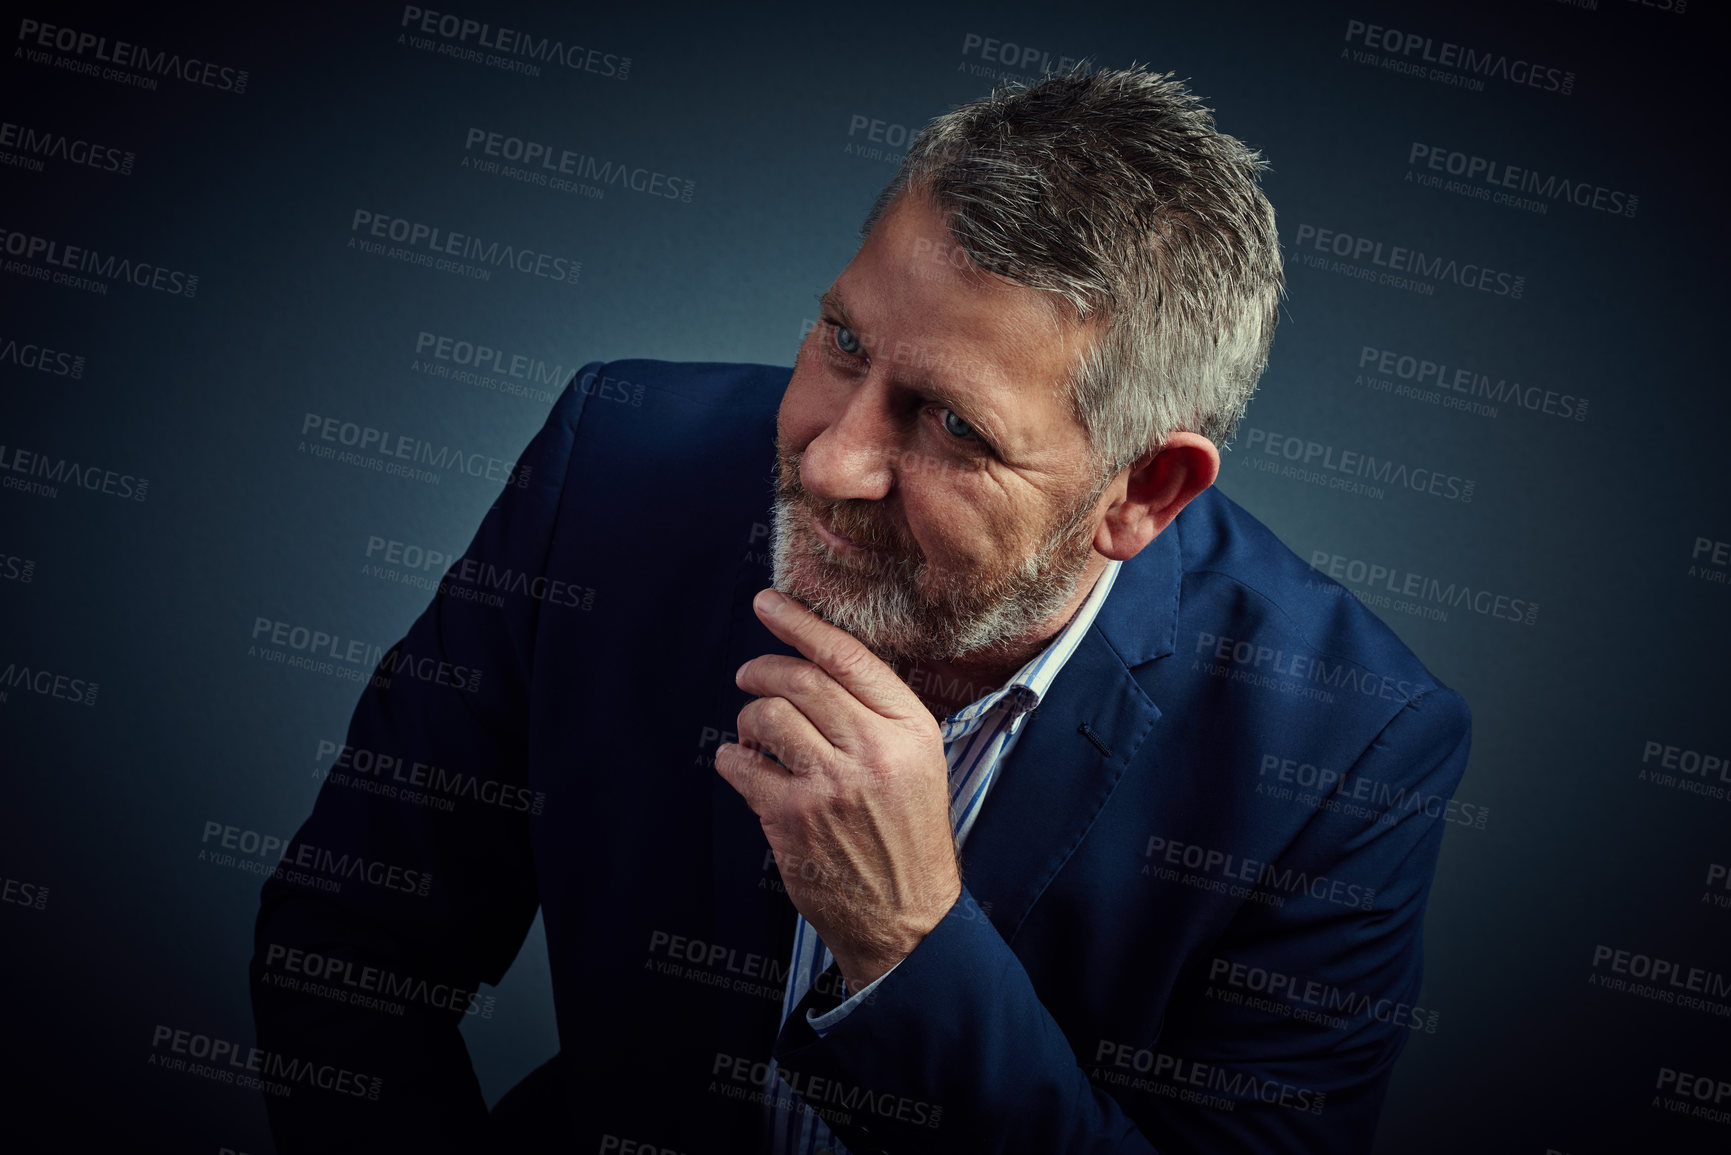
{"x": 977, "y": 739}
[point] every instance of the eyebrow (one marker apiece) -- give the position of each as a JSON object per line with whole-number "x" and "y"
{"x": 830, "y": 301}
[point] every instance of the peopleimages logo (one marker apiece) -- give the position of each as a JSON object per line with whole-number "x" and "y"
{"x": 1674, "y": 7}
{"x": 1166, "y": 1072}
{"x": 1499, "y": 182}
{"x": 546, "y": 164}
{"x": 1686, "y": 770}
{"x": 1709, "y": 561}
{"x": 1022, "y": 57}
{"x": 405, "y": 453}
{"x": 1349, "y": 469}
{"x": 57, "y": 471}
{"x": 1220, "y": 869}
{"x": 18, "y": 677}
{"x": 35, "y": 145}
{"x": 41, "y": 358}
{"x": 1428, "y": 58}
{"x": 20, "y": 893}
{"x": 481, "y": 358}
{"x": 1661, "y": 980}
{"x": 468, "y": 578}
{"x": 429, "y": 241}
{"x": 1391, "y": 587}
{"x": 1704, "y": 1097}
{"x": 39, "y": 39}
{"x": 506, "y": 48}
{"x": 47, "y": 258}
{"x": 873, "y": 138}
{"x": 1309, "y": 1000}
{"x": 305, "y": 647}
{"x": 1405, "y": 267}
{"x": 255, "y": 852}
{"x": 1438, "y": 381}
{"x": 362, "y": 985}
{"x": 420, "y": 783}
{"x": 735, "y": 1076}
{"x": 225, "y": 1061}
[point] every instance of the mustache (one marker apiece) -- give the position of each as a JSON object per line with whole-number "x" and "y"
{"x": 857, "y": 520}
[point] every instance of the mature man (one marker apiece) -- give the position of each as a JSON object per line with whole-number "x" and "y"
{"x": 1055, "y": 805}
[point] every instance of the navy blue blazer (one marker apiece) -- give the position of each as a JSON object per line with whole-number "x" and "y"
{"x": 1193, "y": 902}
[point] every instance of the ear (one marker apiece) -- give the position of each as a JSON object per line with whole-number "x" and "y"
{"x": 1152, "y": 491}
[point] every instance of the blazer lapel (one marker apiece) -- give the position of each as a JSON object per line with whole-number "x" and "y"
{"x": 1078, "y": 745}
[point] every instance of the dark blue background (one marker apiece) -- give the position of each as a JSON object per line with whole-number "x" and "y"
{"x": 1595, "y": 520}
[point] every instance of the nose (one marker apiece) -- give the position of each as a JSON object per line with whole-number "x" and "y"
{"x": 850, "y": 459}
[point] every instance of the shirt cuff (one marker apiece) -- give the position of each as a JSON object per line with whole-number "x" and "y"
{"x": 832, "y": 1018}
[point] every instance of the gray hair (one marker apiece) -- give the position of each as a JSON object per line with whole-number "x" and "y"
{"x": 1113, "y": 191}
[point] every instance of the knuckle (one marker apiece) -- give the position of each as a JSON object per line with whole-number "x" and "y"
{"x": 729, "y": 761}
{"x": 771, "y": 723}
{"x": 829, "y": 767}
{"x": 876, "y": 755}
{"x": 775, "y": 713}
{"x": 846, "y": 661}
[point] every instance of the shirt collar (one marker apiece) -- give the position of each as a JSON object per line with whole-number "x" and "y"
{"x": 1025, "y": 690}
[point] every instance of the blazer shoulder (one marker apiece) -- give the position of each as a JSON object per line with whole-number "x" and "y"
{"x": 685, "y": 446}
{"x": 1238, "y": 567}
{"x": 708, "y": 386}
{"x": 681, "y": 421}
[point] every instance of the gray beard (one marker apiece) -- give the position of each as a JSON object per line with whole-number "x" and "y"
{"x": 902, "y": 609}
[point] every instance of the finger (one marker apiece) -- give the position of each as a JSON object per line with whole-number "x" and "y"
{"x": 838, "y": 653}
{"x": 835, "y": 714}
{"x": 775, "y": 727}
{"x": 754, "y": 778}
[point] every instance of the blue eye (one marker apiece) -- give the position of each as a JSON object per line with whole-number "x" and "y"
{"x": 955, "y": 426}
{"x": 847, "y": 340}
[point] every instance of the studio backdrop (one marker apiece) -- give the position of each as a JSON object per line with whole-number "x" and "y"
{"x": 287, "y": 288}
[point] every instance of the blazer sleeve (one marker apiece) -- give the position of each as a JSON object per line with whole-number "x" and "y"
{"x": 372, "y": 978}
{"x": 956, "y": 1052}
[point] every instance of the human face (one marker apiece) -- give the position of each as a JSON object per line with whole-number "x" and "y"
{"x": 935, "y": 497}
